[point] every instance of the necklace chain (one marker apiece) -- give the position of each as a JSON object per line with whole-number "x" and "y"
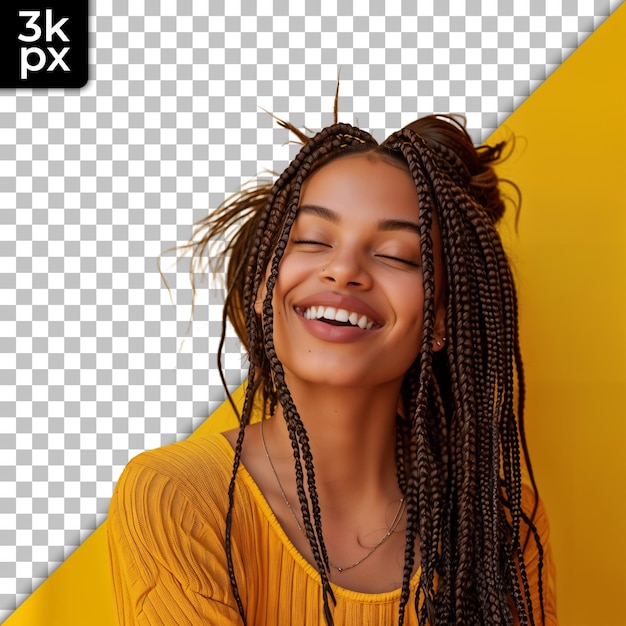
{"x": 339, "y": 568}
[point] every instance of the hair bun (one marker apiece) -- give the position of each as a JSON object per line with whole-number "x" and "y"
{"x": 447, "y": 136}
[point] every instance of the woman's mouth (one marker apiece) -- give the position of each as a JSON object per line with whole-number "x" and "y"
{"x": 337, "y": 317}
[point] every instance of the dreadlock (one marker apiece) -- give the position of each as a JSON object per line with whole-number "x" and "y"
{"x": 460, "y": 442}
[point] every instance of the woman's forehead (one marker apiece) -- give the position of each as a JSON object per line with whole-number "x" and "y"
{"x": 367, "y": 164}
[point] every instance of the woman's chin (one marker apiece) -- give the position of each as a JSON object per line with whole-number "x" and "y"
{"x": 332, "y": 377}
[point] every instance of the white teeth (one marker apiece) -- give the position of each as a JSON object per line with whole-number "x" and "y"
{"x": 342, "y": 315}
{"x": 362, "y": 323}
{"x": 339, "y": 315}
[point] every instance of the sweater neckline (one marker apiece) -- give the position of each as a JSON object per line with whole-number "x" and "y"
{"x": 362, "y": 597}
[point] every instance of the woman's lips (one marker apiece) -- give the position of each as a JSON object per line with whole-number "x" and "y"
{"x": 328, "y": 331}
{"x": 337, "y": 318}
{"x": 341, "y": 308}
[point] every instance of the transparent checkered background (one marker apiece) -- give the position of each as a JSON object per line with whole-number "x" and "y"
{"x": 98, "y": 362}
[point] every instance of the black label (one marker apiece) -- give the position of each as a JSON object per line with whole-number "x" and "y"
{"x": 43, "y": 44}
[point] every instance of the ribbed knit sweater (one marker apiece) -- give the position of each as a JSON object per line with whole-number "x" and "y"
{"x": 166, "y": 530}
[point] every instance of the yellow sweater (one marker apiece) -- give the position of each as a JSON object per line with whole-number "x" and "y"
{"x": 166, "y": 542}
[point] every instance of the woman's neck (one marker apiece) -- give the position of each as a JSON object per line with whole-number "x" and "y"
{"x": 352, "y": 438}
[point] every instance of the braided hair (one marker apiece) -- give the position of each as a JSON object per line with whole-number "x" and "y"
{"x": 460, "y": 442}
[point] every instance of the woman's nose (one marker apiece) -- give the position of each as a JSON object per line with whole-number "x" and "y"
{"x": 346, "y": 268}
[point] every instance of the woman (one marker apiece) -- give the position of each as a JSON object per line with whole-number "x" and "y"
{"x": 383, "y": 482}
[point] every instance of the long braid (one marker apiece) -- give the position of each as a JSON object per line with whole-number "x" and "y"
{"x": 486, "y": 286}
{"x": 251, "y": 327}
{"x": 428, "y": 473}
{"x": 508, "y": 434}
{"x": 299, "y": 440}
{"x": 463, "y": 430}
{"x": 268, "y": 224}
{"x": 229, "y": 515}
{"x": 259, "y": 249}
{"x": 429, "y": 424}
{"x": 487, "y": 579}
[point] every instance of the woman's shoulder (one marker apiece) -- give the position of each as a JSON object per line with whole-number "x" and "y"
{"x": 538, "y": 561}
{"x": 534, "y": 511}
{"x": 212, "y": 449}
{"x": 197, "y": 468}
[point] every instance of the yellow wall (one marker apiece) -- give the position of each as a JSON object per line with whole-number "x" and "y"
{"x": 570, "y": 259}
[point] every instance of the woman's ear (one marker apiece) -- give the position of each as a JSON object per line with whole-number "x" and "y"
{"x": 439, "y": 330}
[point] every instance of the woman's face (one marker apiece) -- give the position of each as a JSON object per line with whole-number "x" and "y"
{"x": 348, "y": 301}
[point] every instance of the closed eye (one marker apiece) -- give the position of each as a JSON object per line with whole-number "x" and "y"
{"x": 399, "y": 260}
{"x": 309, "y": 242}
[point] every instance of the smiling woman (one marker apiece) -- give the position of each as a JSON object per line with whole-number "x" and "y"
{"x": 383, "y": 482}
{"x": 354, "y": 248}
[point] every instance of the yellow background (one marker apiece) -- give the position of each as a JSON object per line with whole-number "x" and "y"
{"x": 570, "y": 260}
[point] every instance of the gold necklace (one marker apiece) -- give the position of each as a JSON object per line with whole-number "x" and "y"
{"x": 339, "y": 568}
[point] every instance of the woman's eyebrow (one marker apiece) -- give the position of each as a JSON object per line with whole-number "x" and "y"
{"x": 390, "y": 224}
{"x": 384, "y": 224}
{"x": 319, "y": 211}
